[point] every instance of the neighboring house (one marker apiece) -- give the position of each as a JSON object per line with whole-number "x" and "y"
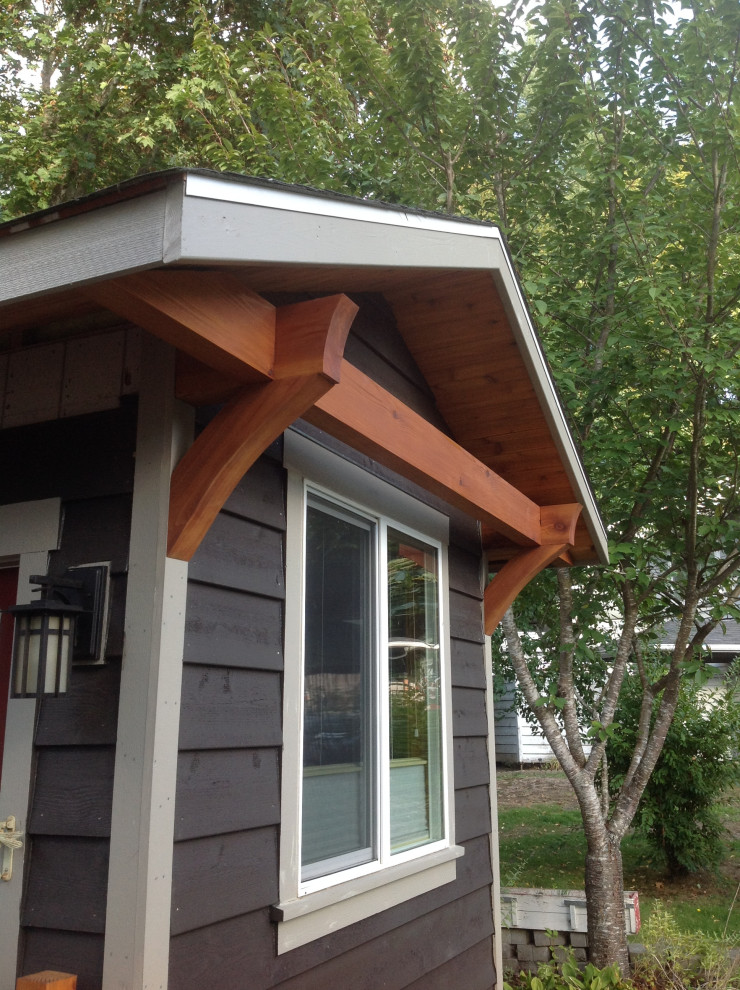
{"x": 278, "y": 772}
{"x": 721, "y": 649}
{"x": 518, "y": 742}
{"x": 720, "y": 652}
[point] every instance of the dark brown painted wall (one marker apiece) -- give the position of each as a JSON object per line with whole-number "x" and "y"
{"x": 88, "y": 463}
{"x": 227, "y": 810}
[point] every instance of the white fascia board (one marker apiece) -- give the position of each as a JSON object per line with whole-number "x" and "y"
{"x": 263, "y": 226}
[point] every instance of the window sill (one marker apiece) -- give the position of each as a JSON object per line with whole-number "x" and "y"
{"x": 309, "y": 917}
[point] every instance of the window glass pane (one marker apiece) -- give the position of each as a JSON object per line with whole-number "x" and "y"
{"x": 338, "y": 734}
{"x": 414, "y": 692}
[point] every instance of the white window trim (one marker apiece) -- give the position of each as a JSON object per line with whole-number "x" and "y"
{"x": 308, "y": 911}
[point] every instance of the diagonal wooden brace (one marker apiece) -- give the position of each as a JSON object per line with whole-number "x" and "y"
{"x": 557, "y": 535}
{"x": 516, "y": 574}
{"x": 310, "y": 343}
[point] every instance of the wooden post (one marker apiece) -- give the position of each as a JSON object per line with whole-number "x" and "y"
{"x": 49, "y": 979}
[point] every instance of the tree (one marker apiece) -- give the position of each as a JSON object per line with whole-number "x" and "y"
{"x": 365, "y": 97}
{"x": 636, "y": 266}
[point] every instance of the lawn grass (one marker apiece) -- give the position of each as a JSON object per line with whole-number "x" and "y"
{"x": 544, "y": 846}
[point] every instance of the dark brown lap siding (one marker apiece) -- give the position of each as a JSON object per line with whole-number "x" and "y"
{"x": 226, "y": 862}
{"x": 228, "y": 777}
{"x": 228, "y": 788}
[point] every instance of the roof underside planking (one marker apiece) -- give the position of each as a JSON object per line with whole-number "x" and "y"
{"x": 449, "y": 283}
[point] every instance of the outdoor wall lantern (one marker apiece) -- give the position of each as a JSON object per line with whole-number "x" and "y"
{"x": 66, "y": 624}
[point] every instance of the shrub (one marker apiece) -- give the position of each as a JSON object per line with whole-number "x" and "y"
{"x": 566, "y": 975}
{"x": 699, "y": 762}
{"x": 678, "y": 959}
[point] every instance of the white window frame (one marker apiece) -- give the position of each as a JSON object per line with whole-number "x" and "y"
{"x": 307, "y": 910}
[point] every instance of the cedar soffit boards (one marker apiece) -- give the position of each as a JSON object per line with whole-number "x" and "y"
{"x": 450, "y": 283}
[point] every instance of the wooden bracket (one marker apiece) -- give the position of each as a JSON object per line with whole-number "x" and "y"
{"x": 558, "y": 523}
{"x": 48, "y": 979}
{"x": 513, "y": 576}
{"x": 311, "y": 338}
{"x": 209, "y": 315}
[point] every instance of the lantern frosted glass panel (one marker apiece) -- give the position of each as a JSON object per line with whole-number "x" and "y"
{"x": 41, "y": 652}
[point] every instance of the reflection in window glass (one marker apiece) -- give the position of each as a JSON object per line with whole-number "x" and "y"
{"x": 414, "y": 692}
{"x": 372, "y": 762}
{"x": 338, "y": 730}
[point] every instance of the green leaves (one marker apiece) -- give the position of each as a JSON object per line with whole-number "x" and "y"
{"x": 695, "y": 768}
{"x": 592, "y": 132}
{"x": 566, "y": 974}
{"x": 598, "y": 730}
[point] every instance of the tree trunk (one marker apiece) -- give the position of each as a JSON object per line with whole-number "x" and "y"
{"x": 607, "y": 938}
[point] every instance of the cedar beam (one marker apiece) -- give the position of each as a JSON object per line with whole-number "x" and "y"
{"x": 199, "y": 385}
{"x": 558, "y": 522}
{"x": 209, "y": 315}
{"x": 512, "y": 578}
{"x": 362, "y": 413}
{"x": 311, "y": 338}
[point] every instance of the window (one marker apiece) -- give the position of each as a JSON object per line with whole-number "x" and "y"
{"x": 366, "y": 782}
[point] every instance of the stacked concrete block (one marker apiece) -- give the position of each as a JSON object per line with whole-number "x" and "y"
{"x": 525, "y": 949}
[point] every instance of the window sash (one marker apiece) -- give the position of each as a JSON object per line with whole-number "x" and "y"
{"x": 339, "y": 805}
{"x": 413, "y": 694}
{"x": 405, "y": 792}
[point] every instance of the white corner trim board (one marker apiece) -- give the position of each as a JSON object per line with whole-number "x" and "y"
{"x": 142, "y": 826}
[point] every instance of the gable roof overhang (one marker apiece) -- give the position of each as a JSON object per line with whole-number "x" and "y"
{"x": 174, "y": 250}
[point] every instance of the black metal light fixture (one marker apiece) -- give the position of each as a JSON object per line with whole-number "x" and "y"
{"x": 64, "y": 625}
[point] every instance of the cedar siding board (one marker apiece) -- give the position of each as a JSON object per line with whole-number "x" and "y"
{"x": 63, "y": 915}
{"x": 225, "y": 870}
{"x": 220, "y": 954}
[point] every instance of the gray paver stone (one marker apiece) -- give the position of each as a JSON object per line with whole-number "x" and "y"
{"x": 540, "y": 953}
